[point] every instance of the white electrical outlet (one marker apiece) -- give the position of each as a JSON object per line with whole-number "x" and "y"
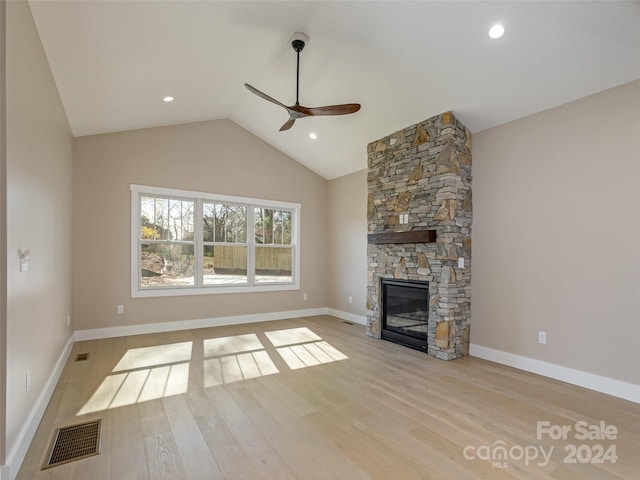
{"x": 350, "y": 299}
{"x": 28, "y": 382}
{"x": 460, "y": 262}
{"x": 120, "y": 309}
{"x": 305, "y": 297}
{"x": 542, "y": 337}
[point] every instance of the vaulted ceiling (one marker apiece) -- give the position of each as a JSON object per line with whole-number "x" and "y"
{"x": 114, "y": 61}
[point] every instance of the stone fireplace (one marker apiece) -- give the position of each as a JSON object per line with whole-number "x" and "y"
{"x": 419, "y": 225}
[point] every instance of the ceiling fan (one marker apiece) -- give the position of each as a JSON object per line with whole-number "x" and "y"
{"x": 298, "y": 111}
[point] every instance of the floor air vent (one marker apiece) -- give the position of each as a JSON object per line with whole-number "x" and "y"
{"x": 74, "y": 442}
{"x": 81, "y": 357}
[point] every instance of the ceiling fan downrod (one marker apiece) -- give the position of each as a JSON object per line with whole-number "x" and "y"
{"x": 297, "y": 45}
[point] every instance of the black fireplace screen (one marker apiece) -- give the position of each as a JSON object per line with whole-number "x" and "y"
{"x": 405, "y": 312}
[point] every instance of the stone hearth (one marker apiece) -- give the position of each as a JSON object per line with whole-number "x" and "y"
{"x": 419, "y": 179}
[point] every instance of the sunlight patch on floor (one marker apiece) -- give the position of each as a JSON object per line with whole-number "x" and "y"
{"x": 232, "y": 345}
{"x": 143, "y": 374}
{"x": 290, "y": 336}
{"x": 236, "y": 368}
{"x": 310, "y": 354}
{"x": 150, "y": 373}
{"x": 128, "y": 388}
{"x": 155, "y": 355}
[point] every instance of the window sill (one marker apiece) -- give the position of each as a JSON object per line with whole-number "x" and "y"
{"x": 211, "y": 290}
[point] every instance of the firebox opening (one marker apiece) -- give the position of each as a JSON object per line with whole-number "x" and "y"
{"x": 405, "y": 312}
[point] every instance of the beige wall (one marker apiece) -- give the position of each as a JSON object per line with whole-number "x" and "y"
{"x": 347, "y": 243}
{"x": 39, "y": 178}
{"x": 556, "y": 235}
{"x": 3, "y": 234}
{"x": 215, "y": 156}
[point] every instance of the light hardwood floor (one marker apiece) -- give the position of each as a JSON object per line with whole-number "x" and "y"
{"x": 314, "y": 398}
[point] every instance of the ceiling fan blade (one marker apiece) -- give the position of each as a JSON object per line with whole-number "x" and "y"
{"x": 264, "y": 95}
{"x": 288, "y": 124}
{"x": 343, "y": 109}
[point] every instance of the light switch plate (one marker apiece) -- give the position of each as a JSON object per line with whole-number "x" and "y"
{"x": 460, "y": 262}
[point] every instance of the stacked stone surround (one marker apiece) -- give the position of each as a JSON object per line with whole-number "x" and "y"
{"x": 424, "y": 171}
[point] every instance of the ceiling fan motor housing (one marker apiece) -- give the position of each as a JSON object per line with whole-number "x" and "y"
{"x": 298, "y": 40}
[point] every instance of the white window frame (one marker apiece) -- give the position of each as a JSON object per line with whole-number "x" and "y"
{"x": 198, "y": 288}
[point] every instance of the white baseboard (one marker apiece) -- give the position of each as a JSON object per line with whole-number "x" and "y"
{"x": 141, "y": 329}
{"x": 351, "y": 317}
{"x": 610, "y": 386}
{"x": 28, "y": 431}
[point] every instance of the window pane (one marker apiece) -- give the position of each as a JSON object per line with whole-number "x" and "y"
{"x": 273, "y": 264}
{"x": 286, "y": 227}
{"x": 208, "y": 221}
{"x": 166, "y": 264}
{"x": 273, "y": 227}
{"x": 277, "y": 227}
{"x": 236, "y": 224}
{"x": 224, "y": 223}
{"x": 166, "y": 219}
{"x": 219, "y": 213}
{"x": 264, "y": 225}
{"x": 147, "y": 219}
{"x": 225, "y": 264}
{"x": 180, "y": 218}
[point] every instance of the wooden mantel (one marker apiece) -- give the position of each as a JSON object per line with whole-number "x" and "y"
{"x": 413, "y": 236}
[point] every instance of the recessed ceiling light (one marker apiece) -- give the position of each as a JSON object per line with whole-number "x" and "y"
{"x": 496, "y": 31}
{"x": 313, "y": 136}
{"x": 167, "y": 99}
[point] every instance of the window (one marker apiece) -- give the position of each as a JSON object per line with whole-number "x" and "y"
{"x": 273, "y": 244}
{"x": 186, "y": 243}
{"x": 225, "y": 247}
{"x": 166, "y": 241}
